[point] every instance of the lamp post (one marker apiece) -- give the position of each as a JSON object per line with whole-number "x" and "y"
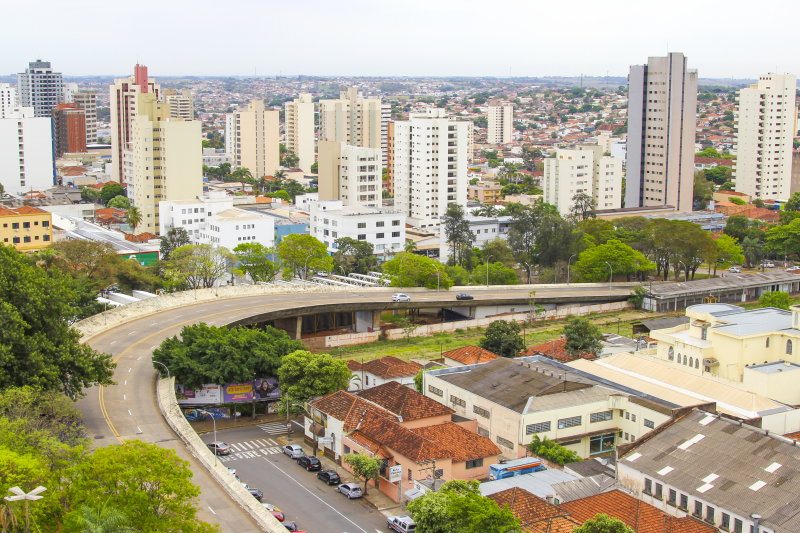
{"x": 254, "y": 396}
{"x": 487, "y": 269}
{"x": 529, "y": 271}
{"x": 568, "y": 260}
{"x": 684, "y": 268}
{"x": 305, "y": 271}
{"x": 214, "y": 420}
{"x": 31, "y": 496}
{"x": 165, "y": 367}
{"x": 264, "y": 283}
{"x": 611, "y": 277}
{"x": 438, "y": 279}
{"x": 345, "y": 286}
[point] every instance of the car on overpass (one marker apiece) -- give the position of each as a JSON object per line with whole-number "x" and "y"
{"x": 464, "y": 296}
{"x": 399, "y": 297}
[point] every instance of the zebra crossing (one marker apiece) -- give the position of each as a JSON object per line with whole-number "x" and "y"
{"x": 276, "y": 428}
{"x": 251, "y": 448}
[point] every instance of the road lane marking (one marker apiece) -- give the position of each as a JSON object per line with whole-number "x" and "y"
{"x": 235, "y": 447}
{"x": 126, "y": 382}
{"x": 129, "y": 412}
{"x": 131, "y": 333}
{"x": 129, "y": 370}
{"x": 123, "y": 397}
{"x": 212, "y": 510}
{"x": 137, "y": 427}
{"x": 138, "y": 357}
{"x": 254, "y": 443}
{"x": 112, "y": 342}
{"x": 227, "y": 305}
{"x": 245, "y": 444}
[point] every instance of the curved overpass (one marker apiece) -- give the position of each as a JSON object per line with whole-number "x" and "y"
{"x": 128, "y": 410}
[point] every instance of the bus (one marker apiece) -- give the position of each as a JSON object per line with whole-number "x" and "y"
{"x": 517, "y": 467}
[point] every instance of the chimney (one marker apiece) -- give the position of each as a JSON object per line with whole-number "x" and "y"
{"x": 756, "y": 520}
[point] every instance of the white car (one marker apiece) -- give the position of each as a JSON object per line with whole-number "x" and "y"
{"x": 399, "y": 297}
{"x": 768, "y": 265}
{"x": 402, "y": 524}
{"x": 294, "y": 451}
{"x": 351, "y": 490}
{"x": 792, "y": 268}
{"x": 735, "y": 270}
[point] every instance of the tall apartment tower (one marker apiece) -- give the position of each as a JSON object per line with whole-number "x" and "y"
{"x": 662, "y": 117}
{"x": 501, "y": 123}
{"x": 766, "y": 126}
{"x": 124, "y": 94}
{"x": 351, "y": 174}
{"x": 8, "y": 100}
{"x": 69, "y": 129}
{"x": 430, "y": 166}
{"x": 256, "y": 137}
{"x": 161, "y": 160}
{"x": 356, "y": 121}
{"x": 300, "y": 130}
{"x": 181, "y": 104}
{"x": 27, "y": 162}
{"x": 39, "y": 87}
{"x": 582, "y": 170}
{"x": 87, "y": 100}
{"x": 390, "y": 158}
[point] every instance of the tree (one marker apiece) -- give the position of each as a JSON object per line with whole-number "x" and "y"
{"x": 481, "y": 122}
{"x": 583, "y": 207}
{"x": 638, "y": 295}
{"x": 290, "y": 160}
{"x": 364, "y": 467}
{"x": 728, "y": 253}
{"x": 412, "y": 270}
{"x": 38, "y": 347}
{"x": 305, "y": 375}
{"x": 793, "y": 204}
{"x": 293, "y": 189}
{"x": 458, "y": 274}
{"x": 737, "y": 201}
{"x": 134, "y": 218}
{"x": 119, "y": 202}
{"x": 458, "y": 233}
{"x": 243, "y": 176}
{"x": 547, "y": 449}
{"x": 593, "y": 264}
{"x": 737, "y": 226}
{"x": 603, "y": 524}
{"x": 582, "y": 336}
{"x": 314, "y": 167}
{"x": 703, "y": 190}
{"x": 283, "y": 195}
{"x": 597, "y": 230}
{"x": 499, "y": 250}
{"x": 752, "y": 249}
{"x": 88, "y": 194}
{"x": 207, "y": 354}
{"x": 498, "y": 274}
{"x": 418, "y": 378}
{"x": 775, "y": 299}
{"x": 254, "y": 260}
{"x": 111, "y": 190}
{"x": 503, "y": 338}
{"x": 175, "y": 238}
{"x": 104, "y": 519}
{"x": 354, "y": 256}
{"x": 303, "y": 254}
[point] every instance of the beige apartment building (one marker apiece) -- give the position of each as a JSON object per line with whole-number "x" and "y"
{"x": 356, "y": 121}
{"x": 254, "y": 134}
{"x": 582, "y": 170}
{"x": 351, "y": 174}
{"x": 162, "y": 159}
{"x": 87, "y": 100}
{"x": 300, "y": 130}
{"x": 766, "y": 124}
{"x": 486, "y": 192}
{"x": 181, "y": 104}
{"x": 501, "y": 123}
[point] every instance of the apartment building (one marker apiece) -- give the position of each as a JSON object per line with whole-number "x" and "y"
{"x": 191, "y": 213}
{"x": 299, "y": 120}
{"x": 485, "y": 192}
{"x": 766, "y": 125}
{"x": 26, "y": 228}
{"x": 87, "y": 100}
{"x": 8, "y": 99}
{"x": 235, "y": 226}
{"x": 383, "y": 228}
{"x": 27, "y": 160}
{"x": 351, "y": 174}
{"x": 214, "y": 158}
{"x": 501, "y": 123}
{"x": 662, "y": 120}
{"x": 69, "y": 129}
{"x": 123, "y": 95}
{"x": 254, "y": 136}
{"x": 430, "y": 166}
{"x": 390, "y": 158}
{"x": 582, "y": 170}
{"x": 161, "y": 160}
{"x": 39, "y": 87}
{"x": 181, "y": 103}
{"x": 356, "y": 121}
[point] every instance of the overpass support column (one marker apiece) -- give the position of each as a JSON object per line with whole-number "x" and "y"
{"x": 376, "y": 320}
{"x": 292, "y": 325}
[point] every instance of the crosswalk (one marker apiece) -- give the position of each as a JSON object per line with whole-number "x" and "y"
{"x": 251, "y": 448}
{"x": 276, "y": 428}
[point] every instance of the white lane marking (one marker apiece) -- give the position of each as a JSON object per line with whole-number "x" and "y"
{"x": 178, "y": 316}
{"x": 129, "y": 412}
{"x": 262, "y": 442}
{"x": 235, "y": 447}
{"x": 129, "y": 370}
{"x": 238, "y": 455}
{"x": 138, "y": 357}
{"x": 227, "y": 305}
{"x": 131, "y": 333}
{"x": 126, "y": 382}
{"x": 245, "y": 444}
{"x": 212, "y": 321}
{"x": 233, "y": 316}
{"x": 212, "y": 511}
{"x": 123, "y": 397}
{"x": 153, "y": 347}
{"x": 255, "y": 444}
{"x": 112, "y": 342}
{"x": 317, "y": 497}
{"x": 137, "y": 427}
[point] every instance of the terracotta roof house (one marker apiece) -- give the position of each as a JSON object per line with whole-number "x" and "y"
{"x": 410, "y": 406}
{"x": 556, "y": 349}
{"x": 383, "y": 370}
{"x": 468, "y": 355}
{"x": 534, "y": 513}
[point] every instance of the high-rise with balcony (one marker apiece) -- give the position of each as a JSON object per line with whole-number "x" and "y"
{"x": 39, "y": 87}
{"x": 300, "y": 130}
{"x": 662, "y": 117}
{"x": 501, "y": 123}
{"x": 124, "y": 94}
{"x": 8, "y": 100}
{"x": 766, "y": 126}
{"x": 181, "y": 104}
{"x": 69, "y": 129}
{"x": 254, "y": 136}
{"x": 356, "y": 121}
{"x": 351, "y": 174}
{"x": 582, "y": 170}
{"x": 430, "y": 166}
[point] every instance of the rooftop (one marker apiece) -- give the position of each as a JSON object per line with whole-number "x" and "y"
{"x": 583, "y": 487}
{"x": 471, "y": 355}
{"x": 706, "y": 286}
{"x": 775, "y": 367}
{"x": 537, "y": 483}
{"x": 348, "y": 408}
{"x": 404, "y": 401}
{"x": 386, "y": 367}
{"x": 463, "y": 444}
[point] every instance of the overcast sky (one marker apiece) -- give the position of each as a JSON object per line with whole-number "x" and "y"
{"x": 408, "y": 38}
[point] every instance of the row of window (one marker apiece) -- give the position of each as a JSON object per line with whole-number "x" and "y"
{"x": 27, "y": 225}
{"x": 27, "y": 238}
{"x": 656, "y": 490}
{"x": 379, "y": 224}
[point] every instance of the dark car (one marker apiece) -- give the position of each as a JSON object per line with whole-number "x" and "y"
{"x": 291, "y": 526}
{"x": 464, "y": 296}
{"x": 257, "y": 494}
{"x": 329, "y": 477}
{"x": 309, "y": 463}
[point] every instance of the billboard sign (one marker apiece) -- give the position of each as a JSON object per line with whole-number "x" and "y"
{"x": 395, "y": 473}
{"x": 210, "y": 394}
{"x": 207, "y": 394}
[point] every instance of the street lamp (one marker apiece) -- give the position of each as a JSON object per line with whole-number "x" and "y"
{"x": 611, "y": 277}
{"x": 685, "y": 269}
{"x": 568, "y": 260}
{"x": 487, "y": 269}
{"x": 31, "y": 496}
{"x": 214, "y": 420}
{"x": 438, "y": 278}
{"x": 345, "y": 286}
{"x": 529, "y": 271}
{"x": 165, "y": 367}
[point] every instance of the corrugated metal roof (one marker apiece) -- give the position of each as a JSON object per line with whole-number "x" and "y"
{"x": 729, "y": 282}
{"x": 538, "y": 483}
{"x": 583, "y": 488}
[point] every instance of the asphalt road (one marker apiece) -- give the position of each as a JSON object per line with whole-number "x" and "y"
{"x": 305, "y": 500}
{"x": 128, "y": 410}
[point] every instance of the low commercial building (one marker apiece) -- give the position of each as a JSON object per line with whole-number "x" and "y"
{"x": 485, "y": 228}
{"x": 385, "y": 229}
{"x": 485, "y": 192}
{"x": 380, "y": 371}
{"x": 468, "y": 355}
{"x": 26, "y": 228}
{"x": 190, "y": 214}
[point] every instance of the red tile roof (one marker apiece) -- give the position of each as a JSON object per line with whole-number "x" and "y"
{"x": 555, "y": 349}
{"x": 400, "y": 439}
{"x": 142, "y": 237}
{"x": 796, "y": 434}
{"x": 534, "y": 513}
{"x": 386, "y": 367}
{"x": 110, "y": 211}
{"x": 462, "y": 443}
{"x": 404, "y": 401}
{"x": 709, "y": 160}
{"x": 348, "y": 408}
{"x": 29, "y": 210}
{"x": 5, "y": 212}
{"x": 471, "y": 355}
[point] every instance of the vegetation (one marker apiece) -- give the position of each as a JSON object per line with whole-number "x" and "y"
{"x": 196, "y": 266}
{"x": 119, "y": 202}
{"x": 364, "y": 467}
{"x": 775, "y": 299}
{"x": 418, "y": 378}
{"x": 304, "y": 375}
{"x": 255, "y": 260}
{"x": 582, "y": 337}
{"x": 503, "y": 339}
{"x": 602, "y": 523}
{"x": 302, "y": 256}
{"x": 354, "y": 256}
{"x": 411, "y": 270}
{"x": 111, "y": 190}
{"x": 555, "y": 453}
{"x": 175, "y": 238}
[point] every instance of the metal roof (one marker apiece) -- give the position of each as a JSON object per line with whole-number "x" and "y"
{"x": 583, "y": 488}
{"x": 537, "y": 483}
{"x": 664, "y": 323}
{"x": 729, "y": 282}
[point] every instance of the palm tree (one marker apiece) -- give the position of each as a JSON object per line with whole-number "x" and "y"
{"x": 134, "y": 217}
{"x": 242, "y": 175}
{"x": 103, "y": 520}
{"x": 752, "y": 250}
{"x": 409, "y": 246}
{"x": 46, "y": 257}
{"x": 8, "y": 518}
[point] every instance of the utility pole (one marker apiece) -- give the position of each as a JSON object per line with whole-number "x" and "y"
{"x": 432, "y": 468}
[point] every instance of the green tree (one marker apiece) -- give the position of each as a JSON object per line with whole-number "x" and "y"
{"x": 458, "y": 234}
{"x": 597, "y": 230}
{"x": 603, "y": 524}
{"x": 583, "y": 206}
{"x": 511, "y": 188}
{"x": 302, "y": 256}
{"x": 737, "y": 201}
{"x": 593, "y": 264}
{"x": 111, "y": 190}
{"x": 290, "y": 160}
{"x": 412, "y": 270}
{"x": 775, "y": 299}
{"x": 243, "y": 176}
{"x": 134, "y": 218}
{"x": 703, "y": 190}
{"x": 499, "y": 250}
{"x": 364, "y": 467}
{"x": 88, "y": 194}
{"x": 119, "y": 202}
{"x": 547, "y": 449}
{"x": 458, "y": 274}
{"x": 582, "y": 337}
{"x": 104, "y": 519}
{"x": 752, "y": 249}
{"x": 314, "y": 167}
{"x": 207, "y": 354}
{"x": 175, "y": 238}
{"x": 503, "y": 338}
{"x": 354, "y": 256}
{"x": 293, "y": 189}
{"x": 638, "y": 295}
{"x": 736, "y": 227}
{"x": 793, "y": 204}
{"x": 728, "y": 253}
{"x": 283, "y": 195}
{"x": 481, "y": 122}
{"x": 201, "y": 265}
{"x": 418, "y": 378}
{"x": 498, "y": 274}
{"x": 254, "y": 260}
{"x": 305, "y": 375}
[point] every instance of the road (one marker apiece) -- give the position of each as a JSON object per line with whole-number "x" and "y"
{"x": 128, "y": 410}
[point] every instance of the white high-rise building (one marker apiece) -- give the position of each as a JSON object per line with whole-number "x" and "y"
{"x": 351, "y": 174}
{"x": 27, "y": 161}
{"x": 430, "y": 166}
{"x": 230, "y": 135}
{"x": 662, "y": 121}
{"x": 253, "y": 134}
{"x": 582, "y": 170}
{"x": 501, "y": 123}
{"x": 385, "y": 229}
{"x": 300, "y": 130}
{"x": 181, "y": 104}
{"x": 766, "y": 126}
{"x": 39, "y": 87}
{"x": 355, "y": 120}
{"x": 8, "y": 100}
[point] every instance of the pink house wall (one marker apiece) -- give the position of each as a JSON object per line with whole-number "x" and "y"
{"x": 469, "y": 425}
{"x": 430, "y": 421}
{"x": 460, "y": 470}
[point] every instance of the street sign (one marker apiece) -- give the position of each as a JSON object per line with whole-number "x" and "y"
{"x": 395, "y": 473}
{"x": 323, "y": 440}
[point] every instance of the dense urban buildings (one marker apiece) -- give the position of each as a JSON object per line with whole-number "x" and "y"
{"x": 385, "y": 229}
{"x": 662, "y": 118}
{"x": 39, "y": 87}
{"x": 69, "y": 129}
{"x": 582, "y": 170}
{"x": 299, "y": 120}
{"x": 767, "y": 124}
{"x": 501, "y": 123}
{"x": 351, "y": 174}
{"x": 254, "y": 134}
{"x": 88, "y": 101}
{"x": 27, "y": 161}
{"x": 355, "y": 120}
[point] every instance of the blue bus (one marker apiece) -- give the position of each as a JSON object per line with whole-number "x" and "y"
{"x": 517, "y": 467}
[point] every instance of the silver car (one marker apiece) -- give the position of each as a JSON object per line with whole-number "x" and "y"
{"x": 400, "y": 297}
{"x": 294, "y": 451}
{"x": 351, "y": 490}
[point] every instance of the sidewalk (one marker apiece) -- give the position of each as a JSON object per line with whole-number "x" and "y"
{"x": 375, "y": 497}
{"x": 207, "y": 426}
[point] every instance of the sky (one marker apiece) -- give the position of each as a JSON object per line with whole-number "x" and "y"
{"x": 390, "y": 38}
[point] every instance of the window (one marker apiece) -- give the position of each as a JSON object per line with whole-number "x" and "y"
{"x": 362, "y": 225}
{"x": 379, "y": 236}
{"x": 541, "y": 427}
{"x": 602, "y": 443}
{"x": 648, "y": 486}
{"x": 395, "y": 234}
{"x": 767, "y": 342}
{"x": 569, "y": 422}
{"x": 710, "y": 514}
{"x": 737, "y": 524}
{"x": 26, "y": 225}
{"x": 46, "y": 237}
{"x": 45, "y": 224}
{"x": 673, "y": 497}
{"x": 434, "y": 390}
{"x": 684, "y": 502}
{"x": 684, "y": 359}
{"x": 481, "y": 411}
{"x": 671, "y": 353}
{"x": 483, "y": 432}
{"x": 346, "y": 450}
{"x": 362, "y": 237}
{"x": 789, "y": 347}
{"x": 697, "y": 363}
{"x": 627, "y": 415}
{"x": 477, "y": 463}
{"x": 395, "y": 222}
{"x": 27, "y": 238}
{"x": 698, "y": 509}
{"x": 601, "y": 417}
{"x": 16, "y": 240}
{"x": 379, "y": 224}
{"x": 504, "y": 442}
{"x": 659, "y": 491}
{"x": 649, "y": 424}
{"x": 726, "y": 521}
{"x": 15, "y": 225}
{"x": 458, "y": 401}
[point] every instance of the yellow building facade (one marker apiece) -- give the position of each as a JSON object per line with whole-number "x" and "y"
{"x": 27, "y": 228}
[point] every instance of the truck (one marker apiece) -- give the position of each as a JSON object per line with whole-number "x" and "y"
{"x": 517, "y": 467}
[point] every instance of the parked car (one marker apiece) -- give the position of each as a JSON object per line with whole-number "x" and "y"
{"x": 309, "y": 463}
{"x": 402, "y": 524}
{"x": 294, "y": 451}
{"x": 464, "y": 296}
{"x": 219, "y": 448}
{"x": 767, "y": 264}
{"x": 351, "y": 490}
{"x": 792, "y": 268}
{"x": 257, "y": 494}
{"x": 329, "y": 477}
{"x": 399, "y": 297}
{"x": 269, "y": 507}
{"x": 232, "y": 471}
{"x": 278, "y": 515}
{"x": 735, "y": 270}
{"x": 245, "y": 485}
{"x": 291, "y": 526}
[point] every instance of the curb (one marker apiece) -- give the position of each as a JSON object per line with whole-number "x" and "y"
{"x": 280, "y": 439}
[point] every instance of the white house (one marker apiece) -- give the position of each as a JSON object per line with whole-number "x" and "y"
{"x": 383, "y": 228}
{"x": 192, "y": 214}
{"x": 379, "y": 371}
{"x": 485, "y": 229}
{"x": 236, "y": 226}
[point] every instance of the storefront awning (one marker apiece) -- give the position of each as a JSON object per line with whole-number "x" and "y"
{"x": 412, "y": 494}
